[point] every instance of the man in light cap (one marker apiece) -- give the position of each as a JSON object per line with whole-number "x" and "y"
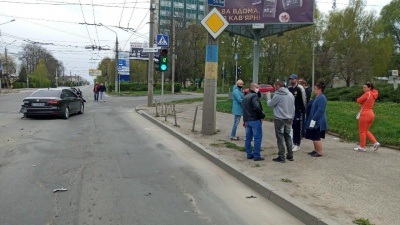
{"x": 299, "y": 105}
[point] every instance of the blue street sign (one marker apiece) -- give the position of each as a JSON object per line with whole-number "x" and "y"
{"x": 162, "y": 40}
{"x": 216, "y": 2}
{"x": 236, "y": 56}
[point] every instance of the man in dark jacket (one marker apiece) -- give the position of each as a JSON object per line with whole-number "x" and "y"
{"x": 253, "y": 116}
{"x": 102, "y": 89}
{"x": 300, "y": 105}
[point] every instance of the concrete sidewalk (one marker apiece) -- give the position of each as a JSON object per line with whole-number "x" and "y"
{"x": 337, "y": 188}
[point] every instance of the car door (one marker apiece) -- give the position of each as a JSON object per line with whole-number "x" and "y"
{"x": 73, "y": 100}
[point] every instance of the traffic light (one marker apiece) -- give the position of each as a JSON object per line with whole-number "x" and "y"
{"x": 157, "y": 62}
{"x": 164, "y": 60}
{"x": 239, "y": 69}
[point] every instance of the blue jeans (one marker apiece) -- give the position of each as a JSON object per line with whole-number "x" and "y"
{"x": 96, "y": 96}
{"x": 253, "y": 129}
{"x": 235, "y": 125}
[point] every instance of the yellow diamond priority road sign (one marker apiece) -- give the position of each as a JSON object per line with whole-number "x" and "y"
{"x": 215, "y": 23}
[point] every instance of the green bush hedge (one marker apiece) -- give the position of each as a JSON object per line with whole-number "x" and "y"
{"x": 350, "y": 94}
{"x": 135, "y": 86}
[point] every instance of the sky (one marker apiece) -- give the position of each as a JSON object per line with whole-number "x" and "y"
{"x": 60, "y": 27}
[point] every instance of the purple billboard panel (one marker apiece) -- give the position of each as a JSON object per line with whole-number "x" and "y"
{"x": 268, "y": 11}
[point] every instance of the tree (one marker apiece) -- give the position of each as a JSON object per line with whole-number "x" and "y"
{"x": 349, "y": 36}
{"x": 22, "y": 74}
{"x": 30, "y": 56}
{"x": 40, "y": 77}
{"x": 390, "y": 20}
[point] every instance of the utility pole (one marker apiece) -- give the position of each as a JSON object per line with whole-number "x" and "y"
{"x": 116, "y": 64}
{"x": 210, "y": 85}
{"x": 56, "y": 79}
{"x": 173, "y": 57}
{"x": 150, "y": 74}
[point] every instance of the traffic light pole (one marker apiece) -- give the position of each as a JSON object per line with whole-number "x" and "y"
{"x": 162, "y": 84}
{"x": 210, "y": 85}
{"x": 236, "y": 72}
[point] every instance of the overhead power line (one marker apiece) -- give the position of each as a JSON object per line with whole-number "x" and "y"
{"x": 84, "y": 4}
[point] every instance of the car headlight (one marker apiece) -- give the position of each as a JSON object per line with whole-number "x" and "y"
{"x": 26, "y": 101}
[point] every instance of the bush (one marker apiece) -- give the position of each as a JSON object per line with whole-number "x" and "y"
{"x": 192, "y": 88}
{"x": 350, "y": 94}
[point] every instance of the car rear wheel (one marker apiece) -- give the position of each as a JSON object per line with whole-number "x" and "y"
{"x": 66, "y": 113}
{"x": 82, "y": 108}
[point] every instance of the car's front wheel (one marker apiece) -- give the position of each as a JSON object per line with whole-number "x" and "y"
{"x": 66, "y": 113}
{"x": 82, "y": 108}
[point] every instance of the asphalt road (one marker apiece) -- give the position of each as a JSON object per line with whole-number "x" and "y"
{"x": 118, "y": 168}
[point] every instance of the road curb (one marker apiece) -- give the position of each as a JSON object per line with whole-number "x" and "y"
{"x": 300, "y": 211}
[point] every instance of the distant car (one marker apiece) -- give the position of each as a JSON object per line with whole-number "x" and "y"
{"x": 263, "y": 88}
{"x": 61, "y": 102}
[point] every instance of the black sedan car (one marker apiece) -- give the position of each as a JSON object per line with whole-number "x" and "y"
{"x": 53, "y": 102}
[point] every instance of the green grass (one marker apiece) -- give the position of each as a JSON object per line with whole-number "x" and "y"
{"x": 362, "y": 221}
{"x": 137, "y": 93}
{"x": 286, "y": 180}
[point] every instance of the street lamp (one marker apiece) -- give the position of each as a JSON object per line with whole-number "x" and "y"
{"x": 116, "y": 58}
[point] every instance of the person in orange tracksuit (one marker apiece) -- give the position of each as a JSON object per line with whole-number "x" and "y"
{"x": 367, "y": 101}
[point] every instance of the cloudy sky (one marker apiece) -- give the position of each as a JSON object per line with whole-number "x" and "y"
{"x": 60, "y": 27}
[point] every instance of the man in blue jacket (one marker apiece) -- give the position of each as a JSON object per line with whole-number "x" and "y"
{"x": 237, "y": 97}
{"x": 253, "y": 116}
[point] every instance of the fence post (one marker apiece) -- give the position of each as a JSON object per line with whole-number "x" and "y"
{"x": 176, "y": 124}
{"x": 194, "y": 120}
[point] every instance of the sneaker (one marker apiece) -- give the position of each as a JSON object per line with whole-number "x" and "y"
{"x": 290, "y": 158}
{"x": 310, "y": 153}
{"x": 296, "y": 148}
{"x": 279, "y": 159}
{"x": 376, "y": 146}
{"x": 259, "y": 159}
{"x": 359, "y": 149}
{"x": 235, "y": 138}
{"x": 316, "y": 154}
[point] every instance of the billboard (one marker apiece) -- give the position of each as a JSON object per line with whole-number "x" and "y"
{"x": 94, "y": 72}
{"x": 123, "y": 66}
{"x": 137, "y": 51}
{"x": 239, "y": 12}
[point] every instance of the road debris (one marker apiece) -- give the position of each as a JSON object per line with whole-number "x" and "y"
{"x": 59, "y": 189}
{"x": 147, "y": 194}
{"x": 251, "y": 196}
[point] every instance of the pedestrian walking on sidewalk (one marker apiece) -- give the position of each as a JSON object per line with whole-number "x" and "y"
{"x": 102, "y": 89}
{"x": 237, "y": 97}
{"x": 283, "y": 109}
{"x": 299, "y": 104}
{"x": 253, "y": 116}
{"x": 367, "y": 116}
{"x": 96, "y": 91}
{"x": 317, "y": 124}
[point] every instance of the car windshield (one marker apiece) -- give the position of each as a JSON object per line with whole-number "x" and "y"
{"x": 46, "y": 93}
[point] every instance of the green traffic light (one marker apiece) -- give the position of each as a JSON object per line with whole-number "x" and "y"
{"x": 163, "y": 67}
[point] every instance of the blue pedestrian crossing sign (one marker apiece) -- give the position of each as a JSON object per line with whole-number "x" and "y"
{"x": 162, "y": 40}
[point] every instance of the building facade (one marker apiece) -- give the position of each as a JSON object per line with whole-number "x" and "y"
{"x": 185, "y": 12}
